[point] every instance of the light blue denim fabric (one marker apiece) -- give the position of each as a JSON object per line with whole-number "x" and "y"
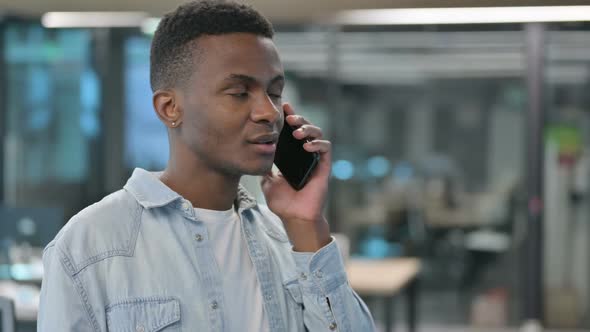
{"x": 140, "y": 260}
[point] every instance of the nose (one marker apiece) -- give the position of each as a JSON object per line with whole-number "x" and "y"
{"x": 265, "y": 110}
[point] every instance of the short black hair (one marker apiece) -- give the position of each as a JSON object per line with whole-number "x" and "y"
{"x": 173, "y": 51}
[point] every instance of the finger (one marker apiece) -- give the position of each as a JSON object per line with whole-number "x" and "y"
{"x": 321, "y": 146}
{"x": 293, "y": 119}
{"x": 288, "y": 109}
{"x": 308, "y": 131}
{"x": 296, "y": 120}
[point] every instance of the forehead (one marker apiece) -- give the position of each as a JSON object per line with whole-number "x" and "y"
{"x": 238, "y": 53}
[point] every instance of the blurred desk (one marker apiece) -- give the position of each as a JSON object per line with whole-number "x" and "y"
{"x": 386, "y": 278}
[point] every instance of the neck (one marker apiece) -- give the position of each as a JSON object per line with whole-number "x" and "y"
{"x": 204, "y": 187}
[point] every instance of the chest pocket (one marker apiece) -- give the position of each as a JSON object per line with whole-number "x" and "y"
{"x": 149, "y": 314}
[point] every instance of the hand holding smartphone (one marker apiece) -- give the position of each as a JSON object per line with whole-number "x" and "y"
{"x": 295, "y": 163}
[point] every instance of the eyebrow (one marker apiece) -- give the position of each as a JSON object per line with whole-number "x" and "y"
{"x": 251, "y": 80}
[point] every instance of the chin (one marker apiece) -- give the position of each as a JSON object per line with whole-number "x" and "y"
{"x": 258, "y": 170}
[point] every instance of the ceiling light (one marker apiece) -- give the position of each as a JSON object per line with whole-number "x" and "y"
{"x": 93, "y": 19}
{"x": 463, "y": 15}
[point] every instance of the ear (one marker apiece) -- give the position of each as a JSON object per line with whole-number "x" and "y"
{"x": 167, "y": 107}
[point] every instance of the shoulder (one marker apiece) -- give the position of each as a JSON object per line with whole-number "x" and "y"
{"x": 105, "y": 229}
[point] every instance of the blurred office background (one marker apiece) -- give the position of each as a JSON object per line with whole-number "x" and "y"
{"x": 428, "y": 122}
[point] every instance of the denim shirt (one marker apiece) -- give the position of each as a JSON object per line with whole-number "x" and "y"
{"x": 140, "y": 260}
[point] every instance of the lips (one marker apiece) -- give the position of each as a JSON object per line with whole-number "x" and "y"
{"x": 265, "y": 144}
{"x": 271, "y": 138}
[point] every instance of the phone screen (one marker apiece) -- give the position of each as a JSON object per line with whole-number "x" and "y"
{"x": 292, "y": 160}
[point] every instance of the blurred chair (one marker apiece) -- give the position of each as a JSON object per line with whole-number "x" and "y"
{"x": 7, "y": 315}
{"x": 487, "y": 244}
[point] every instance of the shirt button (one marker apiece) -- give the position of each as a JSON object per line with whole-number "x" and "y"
{"x": 303, "y": 276}
{"x": 214, "y": 305}
{"x": 268, "y": 297}
{"x": 139, "y": 328}
{"x": 333, "y": 326}
{"x": 198, "y": 237}
{"x": 185, "y": 206}
{"x": 319, "y": 274}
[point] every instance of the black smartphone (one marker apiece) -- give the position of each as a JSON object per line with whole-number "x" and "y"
{"x": 292, "y": 160}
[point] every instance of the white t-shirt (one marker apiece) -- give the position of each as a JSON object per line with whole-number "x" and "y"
{"x": 241, "y": 290}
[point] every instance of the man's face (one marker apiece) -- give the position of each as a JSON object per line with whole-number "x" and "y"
{"x": 232, "y": 108}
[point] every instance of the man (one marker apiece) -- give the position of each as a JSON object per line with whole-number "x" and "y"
{"x": 188, "y": 249}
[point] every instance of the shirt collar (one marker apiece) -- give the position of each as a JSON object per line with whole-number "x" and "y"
{"x": 150, "y": 192}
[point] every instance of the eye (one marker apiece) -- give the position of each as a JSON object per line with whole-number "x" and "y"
{"x": 240, "y": 95}
{"x": 275, "y": 96}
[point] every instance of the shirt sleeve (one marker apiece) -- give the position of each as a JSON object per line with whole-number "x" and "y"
{"x": 330, "y": 304}
{"x": 60, "y": 307}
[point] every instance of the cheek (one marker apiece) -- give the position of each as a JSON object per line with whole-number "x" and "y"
{"x": 198, "y": 130}
{"x": 207, "y": 135}
{"x": 216, "y": 133}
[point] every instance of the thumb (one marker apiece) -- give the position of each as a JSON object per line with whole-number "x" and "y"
{"x": 266, "y": 180}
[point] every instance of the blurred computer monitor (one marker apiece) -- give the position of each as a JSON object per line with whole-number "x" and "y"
{"x": 35, "y": 226}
